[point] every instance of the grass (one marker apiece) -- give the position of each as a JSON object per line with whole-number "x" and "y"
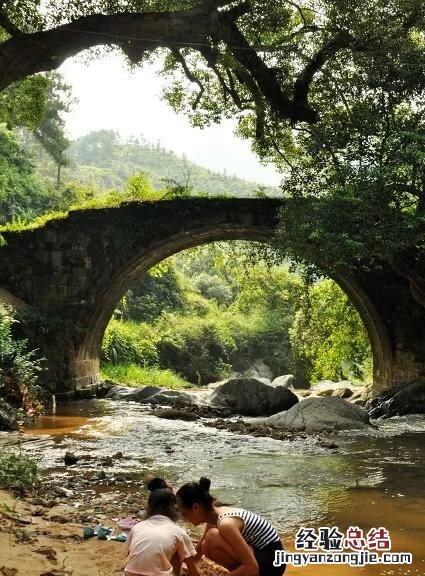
{"x": 18, "y": 472}
{"x": 20, "y": 225}
{"x": 138, "y": 376}
{"x": 102, "y": 201}
{"x": 111, "y": 199}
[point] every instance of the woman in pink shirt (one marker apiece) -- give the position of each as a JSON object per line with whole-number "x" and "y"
{"x": 157, "y": 546}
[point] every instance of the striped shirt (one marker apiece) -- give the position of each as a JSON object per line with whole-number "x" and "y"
{"x": 257, "y": 531}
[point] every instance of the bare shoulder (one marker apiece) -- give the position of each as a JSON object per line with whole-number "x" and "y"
{"x": 232, "y": 520}
{"x": 229, "y": 509}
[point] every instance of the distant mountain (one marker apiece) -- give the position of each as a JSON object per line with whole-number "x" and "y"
{"x": 103, "y": 159}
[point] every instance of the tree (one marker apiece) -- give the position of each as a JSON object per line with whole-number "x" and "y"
{"x": 158, "y": 291}
{"x": 22, "y": 196}
{"x": 51, "y": 131}
{"x": 358, "y": 176}
{"x": 24, "y": 104}
{"x": 96, "y": 148}
{"x": 258, "y": 58}
{"x": 328, "y": 338}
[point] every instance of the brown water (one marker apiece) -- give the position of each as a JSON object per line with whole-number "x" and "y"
{"x": 370, "y": 481}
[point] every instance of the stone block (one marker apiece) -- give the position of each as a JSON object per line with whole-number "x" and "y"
{"x": 57, "y": 259}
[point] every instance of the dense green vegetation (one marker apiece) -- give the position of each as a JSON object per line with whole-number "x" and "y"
{"x": 210, "y": 311}
{"x": 136, "y": 375}
{"x": 19, "y": 369}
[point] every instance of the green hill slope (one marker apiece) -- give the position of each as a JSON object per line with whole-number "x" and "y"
{"x": 103, "y": 159}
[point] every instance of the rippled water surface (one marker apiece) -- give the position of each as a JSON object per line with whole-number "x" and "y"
{"x": 370, "y": 481}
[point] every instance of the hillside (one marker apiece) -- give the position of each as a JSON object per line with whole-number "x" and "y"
{"x": 105, "y": 160}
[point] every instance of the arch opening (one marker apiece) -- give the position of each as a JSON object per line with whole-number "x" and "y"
{"x": 141, "y": 263}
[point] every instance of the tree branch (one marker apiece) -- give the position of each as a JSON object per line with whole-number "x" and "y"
{"x": 190, "y": 76}
{"x": 279, "y": 152}
{"x": 244, "y": 77}
{"x": 298, "y": 9}
{"x": 304, "y": 80}
{"x": 27, "y": 54}
{"x": 265, "y": 77}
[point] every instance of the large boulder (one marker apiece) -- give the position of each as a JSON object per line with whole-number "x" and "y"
{"x": 258, "y": 370}
{"x": 321, "y": 414}
{"x": 252, "y": 397}
{"x": 344, "y": 389}
{"x": 133, "y": 394}
{"x": 287, "y": 381}
{"x": 144, "y": 394}
{"x": 171, "y": 398}
{"x": 152, "y": 395}
{"x": 407, "y": 400}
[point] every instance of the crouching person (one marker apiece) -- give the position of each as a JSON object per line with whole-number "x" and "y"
{"x": 157, "y": 546}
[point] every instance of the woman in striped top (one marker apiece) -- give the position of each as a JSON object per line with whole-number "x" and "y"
{"x": 241, "y": 541}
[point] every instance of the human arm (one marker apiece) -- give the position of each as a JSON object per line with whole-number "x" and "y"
{"x": 128, "y": 541}
{"x": 191, "y": 566}
{"x": 199, "y": 552}
{"x": 186, "y": 552}
{"x": 176, "y": 563}
{"x": 230, "y": 532}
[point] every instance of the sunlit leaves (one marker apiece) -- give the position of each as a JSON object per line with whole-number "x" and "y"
{"x": 24, "y": 103}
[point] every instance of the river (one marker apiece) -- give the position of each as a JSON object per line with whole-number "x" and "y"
{"x": 371, "y": 480}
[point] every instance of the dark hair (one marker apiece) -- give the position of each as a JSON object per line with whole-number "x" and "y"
{"x": 161, "y": 499}
{"x": 196, "y": 493}
{"x": 155, "y": 483}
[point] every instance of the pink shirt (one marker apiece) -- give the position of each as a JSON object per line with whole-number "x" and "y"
{"x": 151, "y": 545}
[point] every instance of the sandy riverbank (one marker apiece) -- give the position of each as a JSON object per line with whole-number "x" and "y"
{"x": 36, "y": 540}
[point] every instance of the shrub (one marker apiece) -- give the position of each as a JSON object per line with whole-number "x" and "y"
{"x": 134, "y": 375}
{"x": 329, "y": 337}
{"x": 129, "y": 342}
{"x": 18, "y": 472}
{"x": 159, "y": 290}
{"x": 197, "y": 348}
{"x": 19, "y": 367}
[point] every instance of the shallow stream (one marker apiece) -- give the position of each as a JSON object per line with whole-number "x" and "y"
{"x": 371, "y": 480}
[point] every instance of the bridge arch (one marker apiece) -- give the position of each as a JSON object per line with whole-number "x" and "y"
{"x": 140, "y": 264}
{"x": 71, "y": 273}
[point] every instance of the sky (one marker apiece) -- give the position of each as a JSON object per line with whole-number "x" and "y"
{"x": 110, "y": 96}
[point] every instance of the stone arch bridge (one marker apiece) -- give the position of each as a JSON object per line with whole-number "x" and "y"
{"x": 68, "y": 276}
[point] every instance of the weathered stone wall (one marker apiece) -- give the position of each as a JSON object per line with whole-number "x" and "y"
{"x": 69, "y": 275}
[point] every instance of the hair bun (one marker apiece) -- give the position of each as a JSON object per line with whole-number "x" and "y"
{"x": 156, "y": 483}
{"x": 204, "y": 484}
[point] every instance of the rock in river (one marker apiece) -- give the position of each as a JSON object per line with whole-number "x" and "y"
{"x": 252, "y": 397}
{"x": 321, "y": 414}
